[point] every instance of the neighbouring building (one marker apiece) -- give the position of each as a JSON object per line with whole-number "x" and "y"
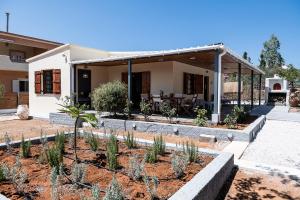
{"x": 277, "y": 91}
{"x": 14, "y": 50}
{"x": 73, "y": 70}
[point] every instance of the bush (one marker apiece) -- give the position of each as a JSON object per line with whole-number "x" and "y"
{"x": 112, "y": 151}
{"x": 201, "y": 119}
{"x": 60, "y": 139}
{"x": 92, "y": 140}
{"x": 136, "y": 168}
{"x": 145, "y": 109}
{"x": 54, "y": 157}
{"x": 151, "y": 187}
{"x": 150, "y": 156}
{"x": 179, "y": 164}
{"x": 191, "y": 151}
{"x": 167, "y": 111}
{"x": 110, "y": 97}
{"x": 239, "y": 113}
{"x": 7, "y": 141}
{"x": 95, "y": 192}
{"x": 114, "y": 191}
{"x": 130, "y": 140}
{"x": 25, "y": 148}
{"x": 2, "y": 90}
{"x": 159, "y": 145}
{"x": 231, "y": 121}
{"x": 4, "y": 172}
{"x": 78, "y": 173}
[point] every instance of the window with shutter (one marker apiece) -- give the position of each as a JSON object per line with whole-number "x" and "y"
{"x": 37, "y": 82}
{"x": 125, "y": 78}
{"x": 47, "y": 82}
{"x": 146, "y": 82}
{"x": 192, "y": 83}
{"x": 198, "y": 84}
{"x": 56, "y": 74}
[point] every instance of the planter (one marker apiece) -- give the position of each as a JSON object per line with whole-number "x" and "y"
{"x": 23, "y": 112}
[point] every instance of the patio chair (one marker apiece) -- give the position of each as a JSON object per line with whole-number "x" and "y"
{"x": 189, "y": 105}
{"x": 145, "y": 97}
{"x": 156, "y": 101}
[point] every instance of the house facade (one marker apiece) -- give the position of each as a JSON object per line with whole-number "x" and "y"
{"x": 71, "y": 69}
{"x": 14, "y": 50}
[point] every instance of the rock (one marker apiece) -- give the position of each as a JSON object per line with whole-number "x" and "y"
{"x": 207, "y": 138}
{"x": 23, "y": 112}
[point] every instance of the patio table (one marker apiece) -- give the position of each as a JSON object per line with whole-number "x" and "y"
{"x": 177, "y": 100}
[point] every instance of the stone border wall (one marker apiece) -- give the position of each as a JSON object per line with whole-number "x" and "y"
{"x": 248, "y": 134}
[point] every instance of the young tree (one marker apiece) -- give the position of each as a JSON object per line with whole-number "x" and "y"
{"x": 270, "y": 58}
{"x": 246, "y": 57}
{"x": 291, "y": 74}
{"x": 2, "y": 89}
{"x": 76, "y": 111}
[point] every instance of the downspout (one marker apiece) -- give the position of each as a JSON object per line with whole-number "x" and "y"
{"x": 220, "y": 77}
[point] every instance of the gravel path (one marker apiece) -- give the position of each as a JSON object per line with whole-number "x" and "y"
{"x": 278, "y": 143}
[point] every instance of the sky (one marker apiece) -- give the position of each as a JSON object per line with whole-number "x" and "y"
{"x": 135, "y": 25}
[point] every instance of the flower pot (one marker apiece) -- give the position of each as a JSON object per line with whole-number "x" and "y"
{"x": 23, "y": 112}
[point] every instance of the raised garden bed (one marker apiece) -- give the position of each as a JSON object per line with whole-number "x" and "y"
{"x": 208, "y": 173}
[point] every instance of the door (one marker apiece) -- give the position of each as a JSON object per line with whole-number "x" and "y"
{"x": 206, "y": 88}
{"x": 84, "y": 86}
{"x": 136, "y": 89}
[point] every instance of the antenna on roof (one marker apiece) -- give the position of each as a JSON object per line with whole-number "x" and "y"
{"x": 7, "y": 21}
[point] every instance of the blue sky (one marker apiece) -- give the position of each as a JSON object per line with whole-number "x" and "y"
{"x": 243, "y": 25}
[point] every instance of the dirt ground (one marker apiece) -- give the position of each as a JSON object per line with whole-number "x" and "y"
{"x": 251, "y": 185}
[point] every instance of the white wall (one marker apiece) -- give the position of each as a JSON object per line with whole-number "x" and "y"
{"x": 41, "y": 105}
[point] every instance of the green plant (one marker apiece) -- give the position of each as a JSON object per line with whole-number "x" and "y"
{"x": 231, "y": 121}
{"x": 18, "y": 177}
{"x": 54, "y": 157}
{"x": 130, "y": 140}
{"x": 167, "y": 111}
{"x": 114, "y": 191}
{"x": 2, "y": 90}
{"x": 239, "y": 113}
{"x": 179, "y": 164}
{"x": 7, "y": 141}
{"x": 159, "y": 145}
{"x": 145, "y": 108}
{"x": 151, "y": 187}
{"x": 76, "y": 111}
{"x": 95, "y": 192}
{"x": 201, "y": 119}
{"x": 25, "y": 148}
{"x": 92, "y": 140}
{"x": 78, "y": 172}
{"x": 54, "y": 183}
{"x": 4, "y": 172}
{"x": 110, "y": 97}
{"x": 43, "y": 138}
{"x": 150, "y": 156}
{"x": 112, "y": 151}
{"x": 191, "y": 151}
{"x": 60, "y": 139}
{"x": 136, "y": 168}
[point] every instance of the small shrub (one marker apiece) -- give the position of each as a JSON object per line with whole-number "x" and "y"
{"x": 43, "y": 158}
{"x": 230, "y": 121}
{"x": 92, "y": 140}
{"x": 239, "y": 113}
{"x": 78, "y": 173}
{"x": 54, "y": 157}
{"x": 191, "y": 151}
{"x": 151, "y": 187}
{"x": 54, "y": 183}
{"x": 4, "y": 172}
{"x": 25, "y": 148}
{"x": 112, "y": 151}
{"x": 60, "y": 139}
{"x": 18, "y": 177}
{"x": 179, "y": 164}
{"x": 130, "y": 140}
{"x": 150, "y": 156}
{"x": 167, "y": 111}
{"x": 95, "y": 192}
{"x": 110, "y": 97}
{"x": 7, "y": 141}
{"x": 145, "y": 109}
{"x": 114, "y": 191}
{"x": 43, "y": 138}
{"x": 159, "y": 145}
{"x": 201, "y": 119}
{"x": 136, "y": 168}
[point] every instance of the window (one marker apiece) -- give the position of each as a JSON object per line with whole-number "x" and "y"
{"x": 17, "y": 56}
{"x": 47, "y": 82}
{"x": 23, "y": 86}
{"x": 192, "y": 83}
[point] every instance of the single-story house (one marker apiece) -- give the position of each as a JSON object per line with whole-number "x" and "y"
{"x": 71, "y": 69}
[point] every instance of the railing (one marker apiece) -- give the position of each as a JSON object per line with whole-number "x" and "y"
{"x": 6, "y": 63}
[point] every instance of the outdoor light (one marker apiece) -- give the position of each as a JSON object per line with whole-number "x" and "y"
{"x": 102, "y": 123}
{"x": 230, "y": 136}
{"x": 133, "y": 126}
{"x": 175, "y": 130}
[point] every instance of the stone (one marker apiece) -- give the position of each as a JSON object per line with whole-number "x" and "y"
{"x": 23, "y": 112}
{"x": 207, "y": 138}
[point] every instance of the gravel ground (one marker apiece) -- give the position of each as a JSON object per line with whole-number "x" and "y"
{"x": 276, "y": 144}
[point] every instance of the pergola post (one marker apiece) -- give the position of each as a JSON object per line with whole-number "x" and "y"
{"x": 75, "y": 97}
{"x": 215, "y": 118}
{"x": 252, "y": 88}
{"x": 239, "y": 84}
{"x": 259, "y": 91}
{"x": 129, "y": 80}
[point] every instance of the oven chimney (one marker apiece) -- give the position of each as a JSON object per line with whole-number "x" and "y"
{"x": 7, "y": 22}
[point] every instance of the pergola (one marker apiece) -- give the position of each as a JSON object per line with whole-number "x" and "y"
{"x": 217, "y": 58}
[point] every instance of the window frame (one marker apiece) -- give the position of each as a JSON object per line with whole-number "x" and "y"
{"x": 45, "y": 82}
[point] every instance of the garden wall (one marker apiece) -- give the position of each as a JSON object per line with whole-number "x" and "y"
{"x": 248, "y": 134}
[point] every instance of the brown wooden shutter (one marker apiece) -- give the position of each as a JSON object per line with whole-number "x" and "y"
{"x": 37, "y": 82}
{"x": 125, "y": 77}
{"x": 185, "y": 83}
{"x": 56, "y": 81}
{"x": 146, "y": 82}
{"x": 198, "y": 84}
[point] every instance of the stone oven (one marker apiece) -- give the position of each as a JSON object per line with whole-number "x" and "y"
{"x": 277, "y": 91}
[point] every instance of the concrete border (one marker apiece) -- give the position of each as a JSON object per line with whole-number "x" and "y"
{"x": 248, "y": 134}
{"x": 206, "y": 184}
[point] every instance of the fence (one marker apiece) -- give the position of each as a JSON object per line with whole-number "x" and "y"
{"x": 12, "y": 100}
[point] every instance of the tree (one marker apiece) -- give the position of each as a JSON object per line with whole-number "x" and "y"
{"x": 76, "y": 111}
{"x": 291, "y": 74}
{"x": 246, "y": 57}
{"x": 2, "y": 89}
{"x": 271, "y": 60}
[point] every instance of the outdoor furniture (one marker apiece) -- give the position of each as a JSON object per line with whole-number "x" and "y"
{"x": 176, "y": 100}
{"x": 145, "y": 97}
{"x": 156, "y": 101}
{"x": 189, "y": 105}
